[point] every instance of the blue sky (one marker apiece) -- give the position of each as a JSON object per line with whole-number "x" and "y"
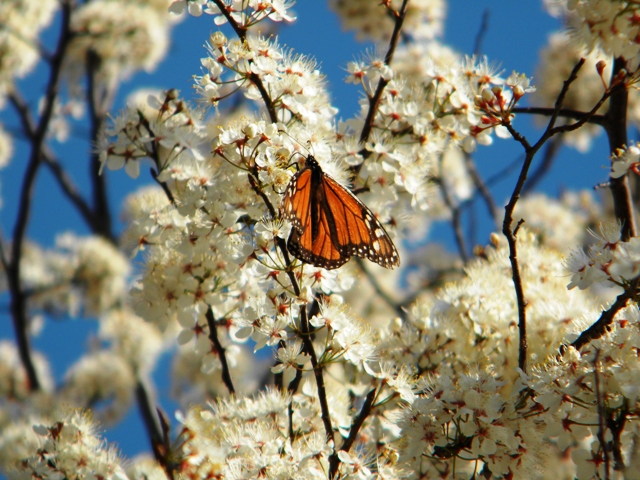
{"x": 516, "y": 32}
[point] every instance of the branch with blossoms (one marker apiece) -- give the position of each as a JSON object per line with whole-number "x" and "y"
{"x": 368, "y": 373}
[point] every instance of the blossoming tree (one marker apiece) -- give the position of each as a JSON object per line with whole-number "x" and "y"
{"x": 517, "y": 359}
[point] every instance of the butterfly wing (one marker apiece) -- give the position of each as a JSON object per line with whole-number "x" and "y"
{"x": 358, "y": 231}
{"x": 313, "y": 236}
{"x": 330, "y": 224}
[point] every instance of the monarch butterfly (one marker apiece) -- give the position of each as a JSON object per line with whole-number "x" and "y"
{"x": 330, "y": 224}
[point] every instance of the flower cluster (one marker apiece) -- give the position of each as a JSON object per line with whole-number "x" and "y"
{"x": 610, "y": 25}
{"x": 474, "y": 320}
{"x": 80, "y": 273}
{"x": 592, "y": 395}
{"x": 608, "y": 260}
{"x": 68, "y": 447}
{"x": 121, "y": 36}
{"x": 21, "y": 21}
{"x": 250, "y": 438}
{"x": 467, "y": 415}
{"x": 424, "y": 19}
{"x": 246, "y": 13}
{"x": 625, "y": 159}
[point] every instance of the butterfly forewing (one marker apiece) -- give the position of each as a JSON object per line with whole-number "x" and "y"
{"x": 330, "y": 224}
{"x": 363, "y": 235}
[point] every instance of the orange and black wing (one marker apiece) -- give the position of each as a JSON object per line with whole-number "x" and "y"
{"x": 330, "y": 224}
{"x": 313, "y": 238}
{"x": 359, "y": 232}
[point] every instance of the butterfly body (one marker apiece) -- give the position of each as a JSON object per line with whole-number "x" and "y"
{"x": 330, "y": 224}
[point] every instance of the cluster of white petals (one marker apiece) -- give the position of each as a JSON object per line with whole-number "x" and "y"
{"x": 247, "y": 13}
{"x": 625, "y": 159}
{"x": 611, "y": 25}
{"x": 424, "y": 18}
{"x": 121, "y": 37}
{"x": 415, "y": 373}
{"x": 21, "y": 21}
{"x": 608, "y": 260}
{"x": 67, "y": 447}
{"x": 86, "y": 273}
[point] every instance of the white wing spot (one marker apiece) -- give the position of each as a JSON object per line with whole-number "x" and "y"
{"x": 376, "y": 245}
{"x": 379, "y": 233}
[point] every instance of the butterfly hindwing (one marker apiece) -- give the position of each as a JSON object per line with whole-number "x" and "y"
{"x": 330, "y": 224}
{"x": 362, "y": 234}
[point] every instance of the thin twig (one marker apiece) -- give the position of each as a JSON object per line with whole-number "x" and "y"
{"x": 553, "y": 147}
{"x": 18, "y": 300}
{"x": 148, "y": 413}
{"x": 482, "y": 31}
{"x": 481, "y": 187}
{"x": 374, "y": 101}
{"x": 601, "y": 414}
{"x": 616, "y": 127}
{"x": 64, "y": 181}
{"x": 99, "y": 103}
{"x": 365, "y": 411}
{"x": 220, "y": 351}
{"x": 600, "y": 327}
{"x": 254, "y": 78}
{"x": 305, "y": 327}
{"x": 510, "y": 233}
{"x": 317, "y": 372}
{"x": 616, "y": 427}
{"x": 456, "y": 222}
{"x": 563, "y": 112}
{"x": 162, "y": 449}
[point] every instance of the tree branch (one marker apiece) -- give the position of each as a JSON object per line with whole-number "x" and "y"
{"x": 563, "y": 112}
{"x": 481, "y": 187}
{"x": 365, "y": 411}
{"x": 147, "y": 411}
{"x": 509, "y": 233}
{"x": 64, "y": 181}
{"x": 374, "y": 102}
{"x": 455, "y": 213}
{"x": 241, "y": 31}
{"x": 18, "y": 300}
{"x": 99, "y": 104}
{"x": 220, "y": 350}
{"x": 599, "y": 328}
{"x": 616, "y": 127}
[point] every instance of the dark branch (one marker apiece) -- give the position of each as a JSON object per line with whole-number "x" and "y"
{"x": 147, "y": 411}
{"x": 600, "y": 327}
{"x": 563, "y": 112}
{"x": 99, "y": 102}
{"x": 456, "y": 222}
{"x": 254, "y": 78}
{"x": 616, "y": 127}
{"x": 64, "y": 181}
{"x": 481, "y": 187}
{"x": 510, "y": 233}
{"x": 365, "y": 411}
{"x": 18, "y": 299}
{"x": 220, "y": 351}
{"x": 482, "y": 31}
{"x": 374, "y": 102}
{"x": 553, "y": 147}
